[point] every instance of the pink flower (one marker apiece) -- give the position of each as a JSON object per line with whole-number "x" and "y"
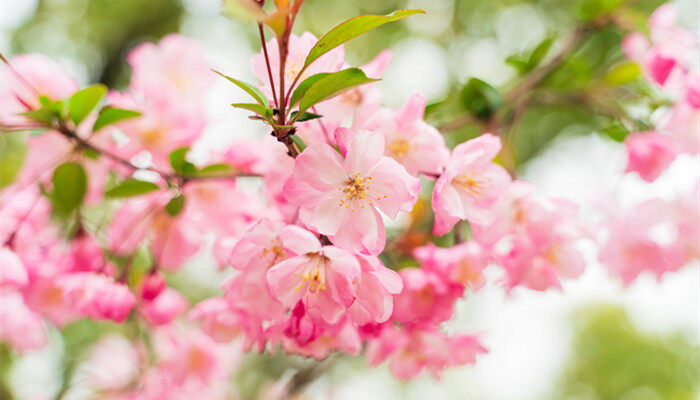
{"x": 410, "y": 351}
{"x": 153, "y": 285}
{"x": 223, "y": 323}
{"x": 540, "y": 259}
{"x": 416, "y": 145}
{"x": 312, "y": 338}
{"x": 655, "y": 236}
{"x": 46, "y": 76}
{"x": 114, "y": 363}
{"x": 323, "y": 277}
{"x": 685, "y": 117}
{"x": 189, "y": 358}
{"x": 174, "y": 69}
{"x": 19, "y": 326}
{"x": 97, "y": 296}
{"x": 164, "y": 125}
{"x": 340, "y": 197}
{"x": 86, "y": 252}
{"x": 12, "y": 271}
{"x": 173, "y": 239}
{"x": 469, "y": 185}
{"x": 378, "y": 284}
{"x": 256, "y": 252}
{"x": 427, "y": 298}
{"x": 163, "y": 309}
{"x": 650, "y": 153}
{"x": 462, "y": 264}
{"x": 299, "y": 47}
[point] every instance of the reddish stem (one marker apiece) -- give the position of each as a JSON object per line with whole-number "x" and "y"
{"x": 267, "y": 63}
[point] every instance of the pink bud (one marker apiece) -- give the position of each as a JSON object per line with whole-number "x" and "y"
{"x": 650, "y": 153}
{"x": 153, "y": 285}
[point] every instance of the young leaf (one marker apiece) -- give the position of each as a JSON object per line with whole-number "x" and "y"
{"x": 540, "y": 52}
{"x": 480, "y": 98}
{"x": 304, "y": 86}
{"x": 300, "y": 143}
{"x": 69, "y": 186}
{"x": 179, "y": 163}
{"x": 248, "y": 88}
{"x": 307, "y": 116}
{"x": 216, "y": 170}
{"x": 332, "y": 85}
{"x": 263, "y": 111}
{"x": 44, "y": 115}
{"x": 352, "y": 28}
{"x": 175, "y": 205}
{"x": 131, "y": 187}
{"x": 110, "y": 115}
{"x": 81, "y": 103}
{"x": 623, "y": 73}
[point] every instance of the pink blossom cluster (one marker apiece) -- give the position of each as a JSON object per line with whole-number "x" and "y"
{"x": 308, "y": 253}
{"x": 669, "y": 61}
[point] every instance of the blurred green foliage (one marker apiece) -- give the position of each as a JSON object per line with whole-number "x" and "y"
{"x": 613, "y": 360}
{"x": 97, "y": 33}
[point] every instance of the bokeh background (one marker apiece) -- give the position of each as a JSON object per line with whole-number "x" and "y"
{"x": 596, "y": 339}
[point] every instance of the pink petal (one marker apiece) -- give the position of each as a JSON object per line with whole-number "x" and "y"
{"x": 284, "y": 278}
{"x": 298, "y": 240}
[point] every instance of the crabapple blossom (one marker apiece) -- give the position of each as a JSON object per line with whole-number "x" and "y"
{"x": 97, "y": 296}
{"x": 427, "y": 298}
{"x": 412, "y": 142}
{"x": 378, "y": 284}
{"x": 325, "y": 278}
{"x": 223, "y": 323}
{"x": 19, "y": 325}
{"x": 341, "y": 196}
{"x": 650, "y": 153}
{"x": 462, "y": 264}
{"x": 410, "y": 351}
{"x": 164, "y": 308}
{"x": 12, "y": 271}
{"x": 469, "y": 185}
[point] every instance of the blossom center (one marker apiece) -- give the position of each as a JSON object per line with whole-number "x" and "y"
{"x": 355, "y": 188}
{"x": 470, "y": 184}
{"x": 152, "y": 137}
{"x": 314, "y": 274}
{"x": 399, "y": 148}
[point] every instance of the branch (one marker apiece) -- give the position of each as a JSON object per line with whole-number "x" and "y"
{"x": 72, "y": 136}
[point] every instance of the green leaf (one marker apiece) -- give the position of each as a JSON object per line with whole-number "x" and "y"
{"x": 304, "y": 86}
{"x": 131, "y": 187}
{"x": 623, "y": 73}
{"x": 110, "y": 115}
{"x": 261, "y": 110}
{"x": 69, "y": 186}
{"x": 332, "y": 85}
{"x": 248, "y": 88}
{"x": 540, "y": 52}
{"x": 518, "y": 63}
{"x": 13, "y": 148}
{"x": 216, "y": 170}
{"x": 82, "y": 102}
{"x": 616, "y": 131}
{"x": 175, "y": 205}
{"x": 352, "y": 28}
{"x": 44, "y": 115}
{"x": 300, "y": 143}
{"x": 179, "y": 163}
{"x": 480, "y": 98}
{"x": 307, "y": 116}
